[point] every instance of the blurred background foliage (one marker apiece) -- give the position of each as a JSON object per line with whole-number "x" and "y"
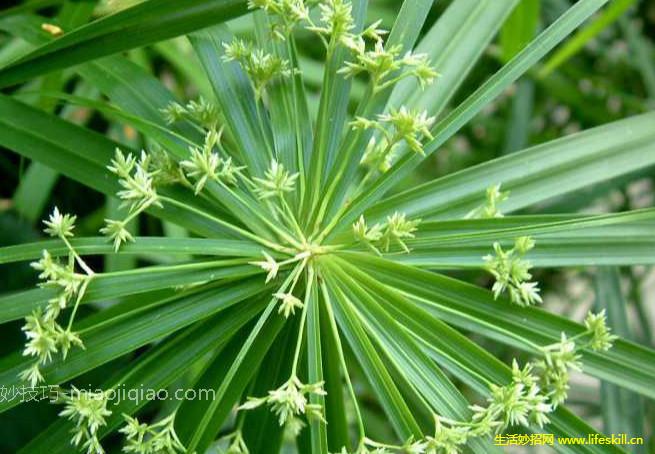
{"x": 604, "y": 72}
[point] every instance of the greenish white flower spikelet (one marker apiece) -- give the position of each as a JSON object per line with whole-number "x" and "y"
{"x": 277, "y": 181}
{"x": 490, "y": 209}
{"x": 367, "y": 234}
{"x": 88, "y": 410}
{"x": 138, "y": 193}
{"x": 117, "y": 231}
{"x": 410, "y": 126}
{"x": 286, "y": 14}
{"x": 396, "y": 126}
{"x": 288, "y": 303}
{"x": 335, "y": 25}
{"x": 512, "y": 272}
{"x": 386, "y": 67}
{"x": 45, "y": 336}
{"x": 262, "y": 68}
{"x": 205, "y": 164}
{"x": 558, "y": 359}
{"x": 60, "y": 225}
{"x": 201, "y": 111}
{"x": 396, "y": 230}
{"x": 159, "y": 437}
{"x": 601, "y": 339}
{"x": 290, "y": 400}
{"x": 269, "y": 265}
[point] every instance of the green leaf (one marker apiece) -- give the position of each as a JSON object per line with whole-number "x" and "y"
{"x": 419, "y": 370}
{"x": 331, "y": 116}
{"x": 377, "y": 374}
{"x": 546, "y": 171}
{"x": 469, "y": 307}
{"x": 404, "y": 33}
{"x": 466, "y": 360}
{"x": 156, "y": 370}
{"x": 236, "y": 372}
{"x": 125, "y": 83}
{"x": 83, "y": 156}
{"x": 318, "y": 429}
{"x": 615, "y": 239}
{"x": 623, "y": 410}
{"x": 261, "y": 428}
{"x": 141, "y": 245}
{"x": 495, "y": 85}
{"x": 28, "y": 6}
{"x": 520, "y": 28}
{"x": 335, "y": 406}
{"x": 107, "y": 286}
{"x": 235, "y": 97}
{"x": 465, "y": 29}
{"x": 145, "y": 23}
{"x": 129, "y": 331}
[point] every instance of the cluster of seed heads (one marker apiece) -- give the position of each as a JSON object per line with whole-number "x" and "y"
{"x": 395, "y": 230}
{"x": 535, "y": 390}
{"x": 45, "y": 336}
{"x": 512, "y": 272}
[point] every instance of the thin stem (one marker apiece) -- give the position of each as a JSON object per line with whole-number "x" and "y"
{"x": 78, "y": 259}
{"x": 292, "y": 217}
{"x": 303, "y": 318}
{"x": 260, "y": 121}
{"x": 80, "y": 295}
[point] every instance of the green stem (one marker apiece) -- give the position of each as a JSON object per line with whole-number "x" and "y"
{"x": 78, "y": 259}
{"x": 260, "y": 121}
{"x": 292, "y": 218}
{"x": 303, "y": 318}
{"x": 80, "y": 295}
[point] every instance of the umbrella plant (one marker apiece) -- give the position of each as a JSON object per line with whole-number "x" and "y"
{"x": 309, "y": 262}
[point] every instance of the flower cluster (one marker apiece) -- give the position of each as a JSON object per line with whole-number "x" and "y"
{"x": 138, "y": 193}
{"x": 290, "y": 400}
{"x": 262, "y": 68}
{"x": 596, "y": 324}
{"x": 200, "y": 111}
{"x": 336, "y": 24}
{"x": 512, "y": 272}
{"x": 286, "y": 13}
{"x": 156, "y": 438}
{"x": 396, "y": 126}
{"x": 386, "y": 67}
{"x": 490, "y": 209}
{"x": 535, "y": 390}
{"x": 277, "y": 180}
{"x": 288, "y": 303}
{"x": 45, "y": 336}
{"x": 269, "y": 264}
{"x": 396, "y": 229}
{"x": 558, "y": 359}
{"x": 88, "y": 410}
{"x": 205, "y": 164}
